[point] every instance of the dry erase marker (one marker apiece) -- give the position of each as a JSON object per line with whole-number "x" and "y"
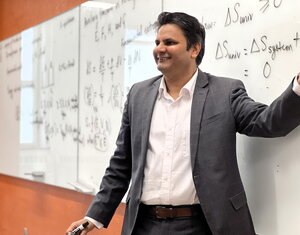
{"x": 80, "y": 228}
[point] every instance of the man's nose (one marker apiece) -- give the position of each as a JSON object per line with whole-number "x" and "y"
{"x": 160, "y": 48}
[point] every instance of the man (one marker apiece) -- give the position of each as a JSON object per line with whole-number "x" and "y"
{"x": 177, "y": 143}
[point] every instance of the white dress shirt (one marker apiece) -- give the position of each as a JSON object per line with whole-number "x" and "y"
{"x": 168, "y": 178}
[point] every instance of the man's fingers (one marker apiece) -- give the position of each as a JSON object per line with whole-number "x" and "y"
{"x": 75, "y": 225}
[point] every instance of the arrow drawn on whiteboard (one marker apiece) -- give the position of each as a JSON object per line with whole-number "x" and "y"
{"x": 265, "y": 7}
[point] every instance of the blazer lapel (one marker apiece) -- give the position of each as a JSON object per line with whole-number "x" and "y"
{"x": 198, "y": 102}
{"x": 149, "y": 99}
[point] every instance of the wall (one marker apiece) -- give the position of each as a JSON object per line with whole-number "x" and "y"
{"x": 29, "y": 204}
{"x": 16, "y": 15}
{"x": 38, "y": 207}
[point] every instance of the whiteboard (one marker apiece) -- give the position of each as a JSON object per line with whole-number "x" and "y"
{"x": 10, "y": 70}
{"x": 258, "y": 42}
{"x": 115, "y": 52}
{"x": 53, "y": 61}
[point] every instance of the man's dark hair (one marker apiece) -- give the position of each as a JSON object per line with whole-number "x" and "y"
{"x": 192, "y": 29}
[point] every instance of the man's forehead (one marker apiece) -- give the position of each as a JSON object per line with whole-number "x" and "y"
{"x": 170, "y": 29}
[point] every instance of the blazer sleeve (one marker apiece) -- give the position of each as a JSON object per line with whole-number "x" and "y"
{"x": 257, "y": 119}
{"x": 116, "y": 179}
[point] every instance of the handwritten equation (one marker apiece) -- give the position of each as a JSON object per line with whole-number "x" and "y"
{"x": 110, "y": 29}
{"x": 99, "y": 132}
{"x": 10, "y": 72}
{"x": 109, "y": 33}
{"x": 258, "y": 46}
{"x": 65, "y": 130}
{"x": 12, "y": 50}
{"x": 234, "y": 14}
{"x": 55, "y": 118}
{"x": 268, "y": 45}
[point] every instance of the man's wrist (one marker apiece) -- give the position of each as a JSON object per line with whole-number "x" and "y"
{"x": 94, "y": 222}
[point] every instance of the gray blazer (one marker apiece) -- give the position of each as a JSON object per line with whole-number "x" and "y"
{"x": 220, "y": 108}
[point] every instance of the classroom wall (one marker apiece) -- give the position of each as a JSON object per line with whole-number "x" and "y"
{"x": 28, "y": 204}
{"x": 17, "y": 15}
{"x": 44, "y": 209}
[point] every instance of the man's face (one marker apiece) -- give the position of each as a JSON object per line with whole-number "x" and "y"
{"x": 171, "y": 54}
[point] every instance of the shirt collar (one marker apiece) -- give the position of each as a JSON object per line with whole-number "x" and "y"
{"x": 188, "y": 88}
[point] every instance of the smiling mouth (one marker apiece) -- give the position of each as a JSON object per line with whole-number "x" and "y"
{"x": 162, "y": 59}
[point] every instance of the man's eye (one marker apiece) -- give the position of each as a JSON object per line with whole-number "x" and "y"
{"x": 156, "y": 43}
{"x": 170, "y": 43}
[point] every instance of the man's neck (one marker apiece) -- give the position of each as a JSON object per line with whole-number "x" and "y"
{"x": 175, "y": 83}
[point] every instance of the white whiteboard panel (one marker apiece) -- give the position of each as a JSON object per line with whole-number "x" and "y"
{"x": 258, "y": 42}
{"x": 55, "y": 48}
{"x": 10, "y": 70}
{"x": 116, "y": 51}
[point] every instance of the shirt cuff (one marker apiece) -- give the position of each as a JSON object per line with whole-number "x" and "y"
{"x": 95, "y": 222}
{"x": 296, "y": 86}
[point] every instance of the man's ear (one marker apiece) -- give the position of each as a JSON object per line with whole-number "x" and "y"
{"x": 196, "y": 48}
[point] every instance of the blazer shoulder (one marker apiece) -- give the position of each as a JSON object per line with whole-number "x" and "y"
{"x": 144, "y": 89}
{"x": 148, "y": 82}
{"x": 223, "y": 83}
{"x": 221, "y": 80}
{"x": 143, "y": 86}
